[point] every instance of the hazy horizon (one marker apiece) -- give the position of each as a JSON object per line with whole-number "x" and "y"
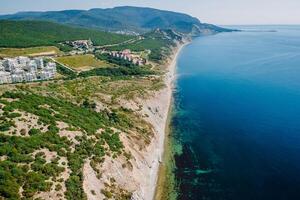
{"x": 229, "y": 12}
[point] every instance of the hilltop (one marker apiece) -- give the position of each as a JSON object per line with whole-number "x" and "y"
{"x": 123, "y": 19}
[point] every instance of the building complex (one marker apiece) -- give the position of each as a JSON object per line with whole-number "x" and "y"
{"x": 127, "y": 55}
{"x": 24, "y": 69}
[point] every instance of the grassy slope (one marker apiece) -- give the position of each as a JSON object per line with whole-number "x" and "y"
{"x": 58, "y": 96}
{"x": 38, "y": 33}
{"x": 13, "y": 52}
{"x": 158, "y": 42}
{"x": 81, "y": 61}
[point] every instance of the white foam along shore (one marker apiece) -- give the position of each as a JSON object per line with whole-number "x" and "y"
{"x": 162, "y": 101}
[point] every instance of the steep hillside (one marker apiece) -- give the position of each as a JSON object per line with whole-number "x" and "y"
{"x": 38, "y": 33}
{"x": 127, "y": 19}
{"x": 159, "y": 42}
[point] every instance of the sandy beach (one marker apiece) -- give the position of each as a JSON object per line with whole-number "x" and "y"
{"x": 142, "y": 176}
{"x": 160, "y": 122}
{"x": 163, "y": 101}
{"x": 157, "y": 109}
{"x": 169, "y": 81}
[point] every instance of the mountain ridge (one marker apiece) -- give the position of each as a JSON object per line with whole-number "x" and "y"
{"x": 127, "y": 19}
{"x": 22, "y": 34}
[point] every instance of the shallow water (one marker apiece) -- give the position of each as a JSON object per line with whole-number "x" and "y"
{"x": 237, "y": 116}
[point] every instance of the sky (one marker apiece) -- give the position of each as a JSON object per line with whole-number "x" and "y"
{"x": 221, "y": 12}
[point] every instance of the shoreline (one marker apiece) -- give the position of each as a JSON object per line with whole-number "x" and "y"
{"x": 162, "y": 188}
{"x": 146, "y": 176}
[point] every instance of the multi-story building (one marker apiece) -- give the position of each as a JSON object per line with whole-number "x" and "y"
{"x": 10, "y": 64}
{"x": 39, "y": 62}
{"x": 1, "y": 66}
{"x": 24, "y": 69}
{"x": 127, "y": 55}
{"x": 5, "y": 77}
{"x": 50, "y": 68}
{"x": 23, "y": 61}
{"x": 28, "y": 77}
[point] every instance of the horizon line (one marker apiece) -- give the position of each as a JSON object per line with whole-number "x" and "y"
{"x": 215, "y": 23}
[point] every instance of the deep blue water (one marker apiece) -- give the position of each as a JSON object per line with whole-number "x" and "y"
{"x": 237, "y": 116}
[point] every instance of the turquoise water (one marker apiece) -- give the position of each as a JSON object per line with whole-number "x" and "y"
{"x": 237, "y": 116}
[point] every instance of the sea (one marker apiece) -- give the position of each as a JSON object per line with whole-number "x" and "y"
{"x": 236, "y": 116}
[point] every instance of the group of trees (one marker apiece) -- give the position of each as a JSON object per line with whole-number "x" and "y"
{"x": 34, "y": 173}
{"x": 115, "y": 60}
{"x": 43, "y": 33}
{"x": 69, "y": 74}
{"x": 20, "y": 168}
{"x": 158, "y": 42}
{"x": 118, "y": 72}
{"x": 18, "y": 150}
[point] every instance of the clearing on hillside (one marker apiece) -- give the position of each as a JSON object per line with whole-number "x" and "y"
{"x": 82, "y": 62}
{"x": 33, "y": 51}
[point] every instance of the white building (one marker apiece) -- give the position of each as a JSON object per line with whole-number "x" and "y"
{"x": 32, "y": 66}
{"x": 50, "y": 68}
{"x": 10, "y": 64}
{"x": 17, "y": 78}
{"x": 44, "y": 75}
{"x": 24, "y": 69}
{"x": 28, "y": 77}
{"x": 127, "y": 55}
{"x": 23, "y": 61}
{"x": 39, "y": 62}
{"x": 5, "y": 77}
{"x": 1, "y": 66}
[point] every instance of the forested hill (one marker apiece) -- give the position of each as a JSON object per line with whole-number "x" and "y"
{"x": 42, "y": 33}
{"x": 126, "y": 19}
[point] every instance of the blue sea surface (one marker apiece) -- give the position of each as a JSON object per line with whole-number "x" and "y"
{"x": 237, "y": 116}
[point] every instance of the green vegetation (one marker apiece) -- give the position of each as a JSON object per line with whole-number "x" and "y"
{"x": 69, "y": 74}
{"x": 105, "y": 89}
{"x": 17, "y": 150}
{"x": 21, "y": 168}
{"x": 5, "y": 125}
{"x": 13, "y": 52}
{"x": 64, "y": 47}
{"x": 121, "y": 68}
{"x": 86, "y": 101}
{"x": 42, "y": 33}
{"x": 114, "y": 60}
{"x": 34, "y": 173}
{"x": 158, "y": 42}
{"x": 112, "y": 191}
{"x": 34, "y": 131}
{"x": 118, "y": 72}
{"x": 132, "y": 18}
{"x": 81, "y": 62}
{"x": 85, "y": 119}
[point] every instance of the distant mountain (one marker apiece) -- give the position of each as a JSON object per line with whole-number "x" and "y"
{"x": 124, "y": 19}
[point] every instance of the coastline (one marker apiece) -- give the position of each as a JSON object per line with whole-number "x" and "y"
{"x": 163, "y": 188}
{"x": 145, "y": 176}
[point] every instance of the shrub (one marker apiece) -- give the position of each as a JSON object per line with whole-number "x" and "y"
{"x": 34, "y": 131}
